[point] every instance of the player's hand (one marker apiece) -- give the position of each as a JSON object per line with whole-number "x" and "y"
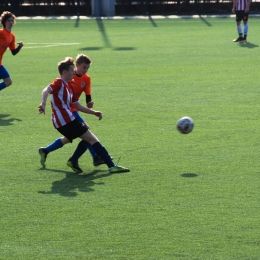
{"x": 233, "y": 10}
{"x": 98, "y": 114}
{"x": 20, "y": 44}
{"x": 41, "y": 108}
{"x": 90, "y": 104}
{"x": 246, "y": 10}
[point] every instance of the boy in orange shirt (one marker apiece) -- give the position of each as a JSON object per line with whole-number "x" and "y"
{"x": 7, "y": 40}
{"x": 81, "y": 83}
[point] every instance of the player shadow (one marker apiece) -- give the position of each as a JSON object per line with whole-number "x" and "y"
{"x": 152, "y": 21}
{"x": 189, "y": 175}
{"x": 7, "y": 121}
{"x": 248, "y": 45}
{"x": 205, "y": 21}
{"x": 74, "y": 183}
{"x": 106, "y": 40}
{"x": 77, "y": 21}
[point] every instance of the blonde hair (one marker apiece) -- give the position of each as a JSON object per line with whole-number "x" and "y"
{"x": 65, "y": 64}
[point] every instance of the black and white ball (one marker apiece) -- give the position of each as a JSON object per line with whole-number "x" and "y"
{"x": 185, "y": 125}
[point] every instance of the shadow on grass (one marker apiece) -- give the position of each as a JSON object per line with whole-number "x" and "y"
{"x": 106, "y": 40}
{"x": 7, "y": 121}
{"x": 189, "y": 175}
{"x": 73, "y": 182}
{"x": 152, "y": 21}
{"x": 205, "y": 21}
{"x": 248, "y": 45}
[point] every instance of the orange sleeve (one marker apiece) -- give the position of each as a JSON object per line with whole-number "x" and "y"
{"x": 12, "y": 42}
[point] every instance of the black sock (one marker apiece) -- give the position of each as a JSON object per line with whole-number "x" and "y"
{"x": 103, "y": 154}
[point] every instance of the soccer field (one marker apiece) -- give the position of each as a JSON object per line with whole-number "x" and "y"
{"x": 192, "y": 196}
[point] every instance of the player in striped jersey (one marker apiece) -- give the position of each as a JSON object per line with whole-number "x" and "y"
{"x": 64, "y": 120}
{"x": 82, "y": 83}
{"x": 7, "y": 40}
{"x": 241, "y": 8}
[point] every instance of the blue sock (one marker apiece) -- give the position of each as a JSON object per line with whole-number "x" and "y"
{"x": 246, "y": 29}
{"x": 81, "y": 148}
{"x": 54, "y": 146}
{"x": 2, "y": 85}
{"x": 103, "y": 154}
{"x": 92, "y": 151}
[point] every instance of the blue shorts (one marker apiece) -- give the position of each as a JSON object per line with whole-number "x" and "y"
{"x": 78, "y": 117}
{"x": 3, "y": 73}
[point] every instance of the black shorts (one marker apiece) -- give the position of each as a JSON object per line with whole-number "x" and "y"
{"x": 73, "y": 130}
{"x": 241, "y": 15}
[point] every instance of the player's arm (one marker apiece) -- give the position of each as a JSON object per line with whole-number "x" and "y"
{"x": 15, "y": 51}
{"x": 248, "y": 6}
{"x": 234, "y": 6}
{"x": 89, "y": 101}
{"x": 45, "y": 93}
{"x": 87, "y": 110}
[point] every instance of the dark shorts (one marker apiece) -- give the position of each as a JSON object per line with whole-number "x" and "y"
{"x": 241, "y": 15}
{"x": 4, "y": 73}
{"x": 73, "y": 130}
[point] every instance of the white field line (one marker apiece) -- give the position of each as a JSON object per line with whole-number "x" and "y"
{"x": 47, "y": 45}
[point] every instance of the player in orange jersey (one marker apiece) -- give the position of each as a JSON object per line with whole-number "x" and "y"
{"x": 7, "y": 40}
{"x": 81, "y": 83}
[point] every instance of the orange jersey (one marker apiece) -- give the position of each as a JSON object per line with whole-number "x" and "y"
{"x": 81, "y": 84}
{"x": 7, "y": 40}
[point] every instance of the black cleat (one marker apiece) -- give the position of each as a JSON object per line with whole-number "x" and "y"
{"x": 98, "y": 161}
{"x": 74, "y": 166}
{"x": 43, "y": 154}
{"x": 239, "y": 39}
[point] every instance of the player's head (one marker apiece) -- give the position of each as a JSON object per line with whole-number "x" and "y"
{"x": 66, "y": 68}
{"x": 82, "y": 58}
{"x": 6, "y": 16}
{"x": 82, "y": 64}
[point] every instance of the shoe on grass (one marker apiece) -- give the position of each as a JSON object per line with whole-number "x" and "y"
{"x": 118, "y": 169}
{"x": 239, "y": 39}
{"x": 43, "y": 155}
{"x": 98, "y": 161}
{"x": 74, "y": 166}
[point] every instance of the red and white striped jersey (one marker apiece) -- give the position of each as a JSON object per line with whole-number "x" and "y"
{"x": 241, "y": 5}
{"x": 61, "y": 99}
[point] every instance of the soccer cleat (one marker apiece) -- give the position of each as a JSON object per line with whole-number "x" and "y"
{"x": 244, "y": 39}
{"x": 118, "y": 169}
{"x": 43, "y": 155}
{"x": 74, "y": 166}
{"x": 98, "y": 161}
{"x": 239, "y": 39}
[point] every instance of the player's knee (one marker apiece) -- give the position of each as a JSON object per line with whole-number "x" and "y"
{"x": 64, "y": 140}
{"x": 8, "y": 82}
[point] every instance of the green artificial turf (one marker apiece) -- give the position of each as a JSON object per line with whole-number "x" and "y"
{"x": 192, "y": 196}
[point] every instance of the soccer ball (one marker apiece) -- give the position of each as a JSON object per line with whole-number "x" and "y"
{"x": 185, "y": 125}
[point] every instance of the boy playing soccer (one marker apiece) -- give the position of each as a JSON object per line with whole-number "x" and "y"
{"x": 64, "y": 120}
{"x": 241, "y": 8}
{"x": 7, "y": 40}
{"x": 82, "y": 83}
